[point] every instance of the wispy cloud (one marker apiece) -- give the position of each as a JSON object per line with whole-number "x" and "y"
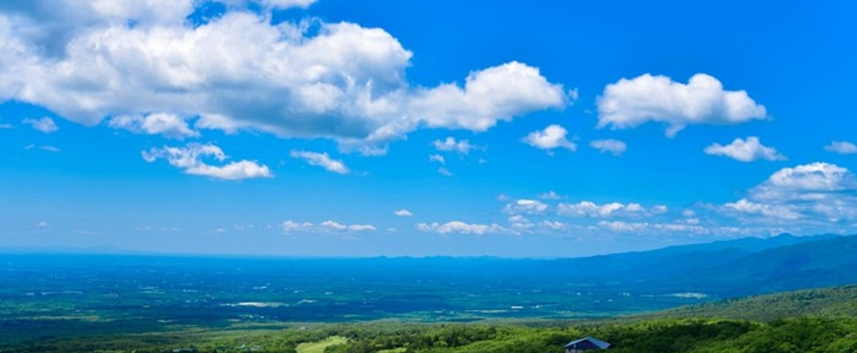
{"x": 45, "y": 125}
{"x": 525, "y": 206}
{"x": 403, "y": 213}
{"x": 550, "y": 195}
{"x": 459, "y": 227}
{"x": 612, "y": 209}
{"x": 451, "y": 145}
{"x": 191, "y": 159}
{"x": 614, "y": 147}
{"x": 325, "y": 227}
{"x": 841, "y": 147}
{"x": 46, "y": 148}
{"x": 321, "y": 160}
{"x": 165, "y": 124}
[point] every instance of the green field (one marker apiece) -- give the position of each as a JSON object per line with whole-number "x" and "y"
{"x": 320, "y": 346}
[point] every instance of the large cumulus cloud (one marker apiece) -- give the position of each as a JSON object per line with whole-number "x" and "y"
{"x": 95, "y": 60}
{"x": 629, "y": 103}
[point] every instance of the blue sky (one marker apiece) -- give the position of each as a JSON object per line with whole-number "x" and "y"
{"x": 364, "y": 128}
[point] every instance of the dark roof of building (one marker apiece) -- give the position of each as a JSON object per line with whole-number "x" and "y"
{"x": 587, "y": 343}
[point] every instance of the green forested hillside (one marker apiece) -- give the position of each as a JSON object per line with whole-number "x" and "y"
{"x": 828, "y": 302}
{"x": 812, "y": 264}
{"x": 722, "y": 269}
{"x": 675, "y": 261}
{"x": 793, "y": 335}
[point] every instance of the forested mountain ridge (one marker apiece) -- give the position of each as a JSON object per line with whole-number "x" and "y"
{"x": 823, "y": 302}
{"x": 728, "y": 268}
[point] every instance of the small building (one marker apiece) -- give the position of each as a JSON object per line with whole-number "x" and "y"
{"x": 584, "y": 344}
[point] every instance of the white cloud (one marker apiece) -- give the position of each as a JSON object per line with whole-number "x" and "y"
{"x": 621, "y": 226}
{"x": 674, "y": 229}
{"x": 328, "y": 226}
{"x": 349, "y": 227}
{"x": 168, "y": 125}
{"x": 553, "y": 225}
{"x": 593, "y": 210}
{"x": 437, "y": 158}
{"x": 550, "y": 138}
{"x": 550, "y": 195}
{"x": 494, "y": 94}
{"x": 817, "y": 193}
{"x": 588, "y": 209}
{"x": 445, "y": 172}
{"x": 526, "y": 206}
{"x": 451, "y": 145}
{"x": 361, "y": 227}
{"x": 574, "y": 94}
{"x": 46, "y": 148}
{"x": 745, "y": 206}
{"x": 811, "y": 178}
{"x": 630, "y": 103}
{"x": 271, "y": 4}
{"x": 841, "y": 147}
{"x": 458, "y": 227}
{"x": 321, "y": 160}
{"x": 656, "y": 209}
{"x": 285, "y": 4}
{"x": 614, "y": 147}
{"x": 520, "y": 222}
{"x": 191, "y": 160}
{"x": 292, "y": 226}
{"x": 521, "y": 225}
{"x": 5, "y": 126}
{"x": 403, "y": 213}
{"x": 45, "y": 125}
{"x": 341, "y": 81}
{"x": 745, "y": 150}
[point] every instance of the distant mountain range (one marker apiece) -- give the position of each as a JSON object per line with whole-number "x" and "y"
{"x": 728, "y": 268}
{"x": 724, "y": 269}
